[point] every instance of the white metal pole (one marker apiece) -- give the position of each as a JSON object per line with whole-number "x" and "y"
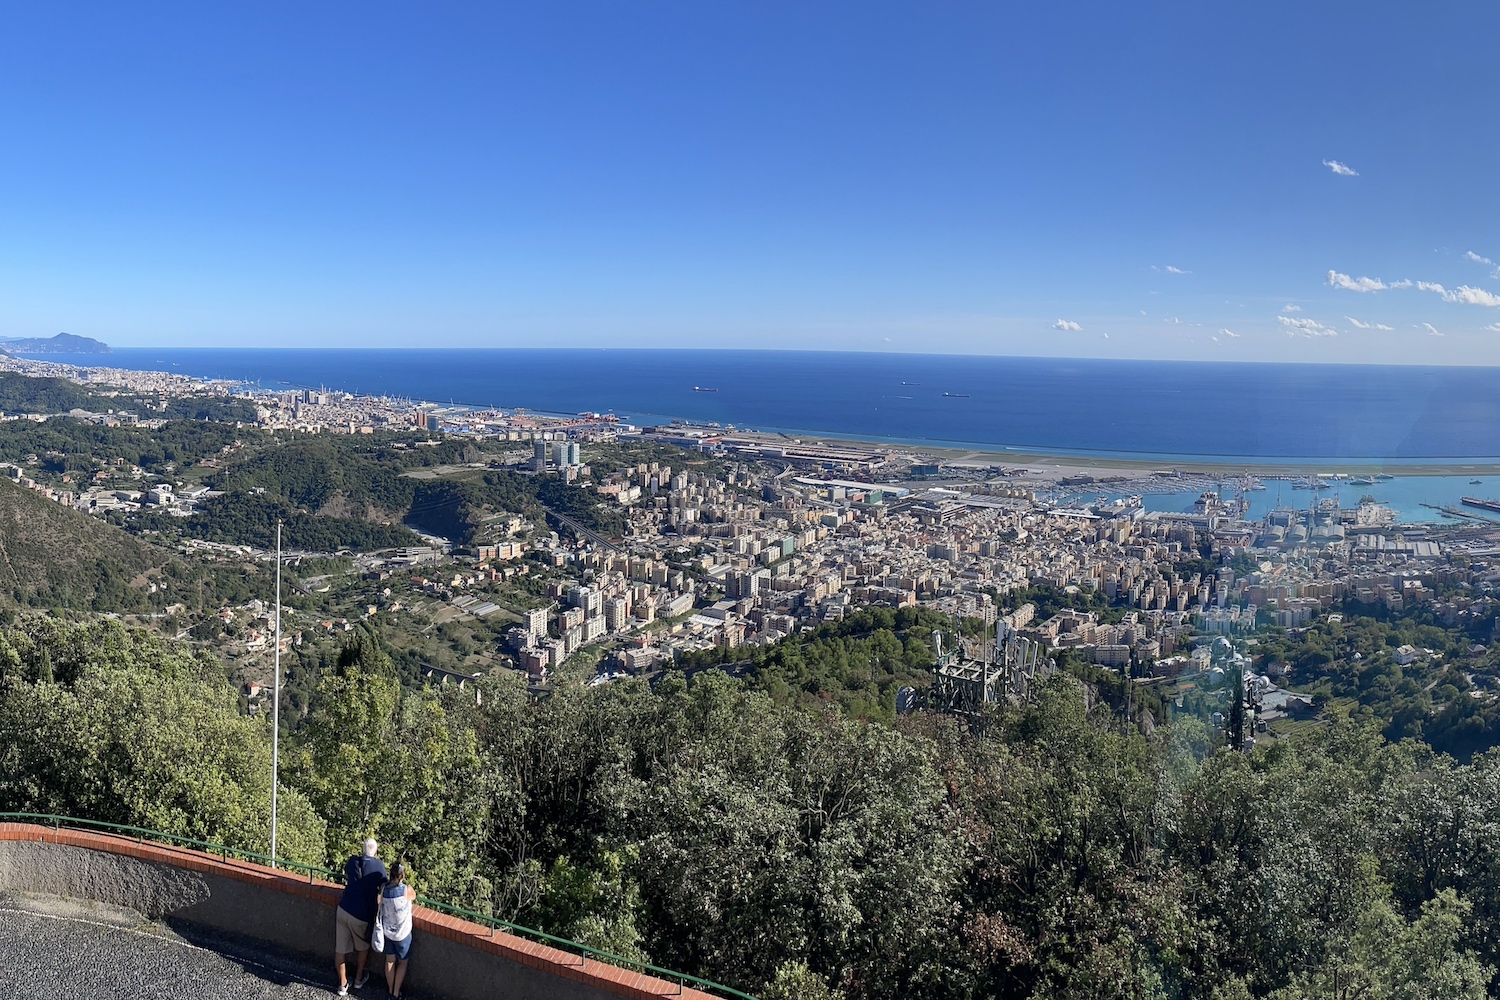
{"x": 276, "y": 702}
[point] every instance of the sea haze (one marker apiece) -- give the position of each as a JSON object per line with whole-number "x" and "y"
{"x": 1093, "y": 407}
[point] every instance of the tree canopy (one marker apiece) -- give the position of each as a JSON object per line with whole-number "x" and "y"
{"x": 787, "y": 846}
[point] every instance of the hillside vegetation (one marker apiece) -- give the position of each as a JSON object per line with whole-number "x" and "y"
{"x": 1058, "y": 855}
{"x": 51, "y": 556}
{"x": 28, "y": 394}
{"x": 66, "y": 445}
{"x": 332, "y": 491}
{"x": 345, "y": 481}
{"x": 250, "y": 519}
{"x": 110, "y": 715}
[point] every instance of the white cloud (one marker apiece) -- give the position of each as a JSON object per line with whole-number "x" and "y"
{"x": 1471, "y": 255}
{"x": 1403, "y": 283}
{"x": 1493, "y": 328}
{"x": 1228, "y": 333}
{"x": 1291, "y": 307}
{"x": 1306, "y": 327}
{"x": 1463, "y": 293}
{"x": 1067, "y": 324}
{"x": 1473, "y": 296}
{"x": 1175, "y": 270}
{"x": 1106, "y": 336}
{"x": 1432, "y": 331}
{"x": 1339, "y": 280}
{"x": 1342, "y": 169}
{"x": 1367, "y": 326}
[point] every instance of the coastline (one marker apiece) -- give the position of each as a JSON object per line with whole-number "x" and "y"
{"x": 1115, "y": 465}
{"x": 1043, "y": 461}
{"x": 1098, "y": 464}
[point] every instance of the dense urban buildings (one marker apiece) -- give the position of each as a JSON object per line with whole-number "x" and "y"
{"x": 744, "y": 539}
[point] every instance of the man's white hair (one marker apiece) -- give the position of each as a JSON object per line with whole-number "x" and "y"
{"x": 371, "y": 847}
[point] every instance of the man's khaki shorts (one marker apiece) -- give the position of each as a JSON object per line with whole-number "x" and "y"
{"x": 350, "y": 934}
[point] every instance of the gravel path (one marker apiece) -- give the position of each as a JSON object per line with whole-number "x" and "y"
{"x": 54, "y": 949}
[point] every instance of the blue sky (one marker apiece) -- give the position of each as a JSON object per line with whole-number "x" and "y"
{"x": 957, "y": 177}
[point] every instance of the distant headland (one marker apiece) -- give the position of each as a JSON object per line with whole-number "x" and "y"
{"x": 63, "y": 343}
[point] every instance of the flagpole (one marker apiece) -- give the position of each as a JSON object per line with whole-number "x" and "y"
{"x": 276, "y": 702}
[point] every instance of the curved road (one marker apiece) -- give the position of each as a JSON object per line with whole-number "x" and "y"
{"x": 59, "y": 951}
{"x": 580, "y": 530}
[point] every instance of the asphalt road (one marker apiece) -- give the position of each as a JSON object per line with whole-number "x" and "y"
{"x": 69, "y": 953}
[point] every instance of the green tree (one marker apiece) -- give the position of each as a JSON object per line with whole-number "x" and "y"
{"x": 377, "y": 761}
{"x": 1386, "y": 958}
{"x": 1067, "y": 894}
{"x": 107, "y": 741}
{"x": 795, "y": 981}
{"x": 595, "y": 904}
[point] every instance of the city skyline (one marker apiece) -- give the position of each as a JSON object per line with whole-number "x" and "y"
{"x": 1279, "y": 185}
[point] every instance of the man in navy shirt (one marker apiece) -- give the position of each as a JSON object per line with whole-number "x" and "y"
{"x": 363, "y": 877}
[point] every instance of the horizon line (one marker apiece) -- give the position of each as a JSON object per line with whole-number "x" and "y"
{"x": 779, "y": 350}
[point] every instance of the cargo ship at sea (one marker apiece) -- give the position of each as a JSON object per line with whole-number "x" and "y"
{"x": 1493, "y": 506}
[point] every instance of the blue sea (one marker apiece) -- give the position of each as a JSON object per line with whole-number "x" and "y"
{"x": 1255, "y": 413}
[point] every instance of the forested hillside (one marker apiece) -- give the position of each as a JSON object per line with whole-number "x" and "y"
{"x": 710, "y": 827}
{"x": 857, "y": 663}
{"x": 51, "y": 556}
{"x": 250, "y": 519}
{"x": 65, "y": 445}
{"x": 342, "y": 480}
{"x": 353, "y": 475}
{"x": 332, "y": 491}
{"x": 1437, "y": 698}
{"x": 54, "y": 557}
{"x": 29, "y": 394}
{"x": 459, "y": 509}
{"x": 365, "y": 479}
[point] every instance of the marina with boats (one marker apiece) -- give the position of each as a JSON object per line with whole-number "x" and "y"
{"x": 1411, "y": 499}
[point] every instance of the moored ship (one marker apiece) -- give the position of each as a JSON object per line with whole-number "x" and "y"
{"x": 1490, "y": 505}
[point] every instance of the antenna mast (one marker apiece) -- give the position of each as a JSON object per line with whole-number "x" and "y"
{"x": 276, "y": 702}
